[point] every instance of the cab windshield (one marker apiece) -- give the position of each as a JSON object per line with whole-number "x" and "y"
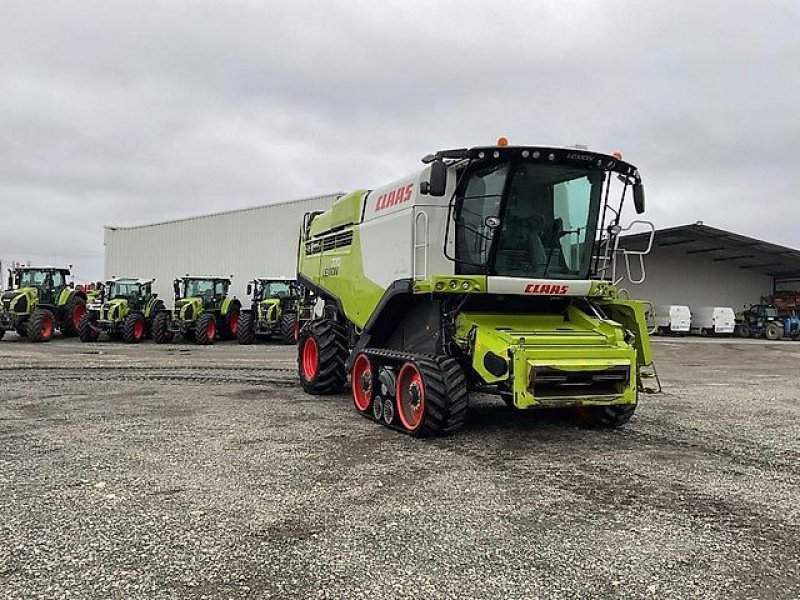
{"x": 520, "y": 219}
{"x": 204, "y": 287}
{"x": 123, "y": 289}
{"x": 276, "y": 289}
{"x": 41, "y": 278}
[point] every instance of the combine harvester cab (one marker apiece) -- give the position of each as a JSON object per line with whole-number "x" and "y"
{"x": 493, "y": 270}
{"x": 39, "y": 301}
{"x": 124, "y": 308}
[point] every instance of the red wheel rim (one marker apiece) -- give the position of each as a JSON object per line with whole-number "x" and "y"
{"x": 47, "y": 327}
{"x": 77, "y": 315}
{"x": 410, "y": 394}
{"x": 310, "y": 358}
{"x": 211, "y": 330}
{"x": 361, "y": 382}
{"x": 234, "y": 321}
{"x": 138, "y": 330}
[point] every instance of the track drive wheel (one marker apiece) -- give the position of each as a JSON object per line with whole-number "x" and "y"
{"x": 86, "y": 332}
{"x": 74, "y": 310}
{"x": 246, "y": 329}
{"x": 205, "y": 330}
{"x": 41, "y": 326}
{"x": 363, "y": 383}
{"x": 321, "y": 354}
{"x": 604, "y": 417}
{"x": 288, "y": 327}
{"x": 133, "y": 329}
{"x": 161, "y": 332}
{"x": 431, "y": 396}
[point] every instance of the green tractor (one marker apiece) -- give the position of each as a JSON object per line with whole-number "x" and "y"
{"x": 492, "y": 270}
{"x": 39, "y": 301}
{"x": 202, "y": 310}
{"x": 274, "y": 311}
{"x": 123, "y": 309}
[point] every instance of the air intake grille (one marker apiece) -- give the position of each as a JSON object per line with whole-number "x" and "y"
{"x": 329, "y": 242}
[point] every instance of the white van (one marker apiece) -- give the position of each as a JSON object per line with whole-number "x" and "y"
{"x": 713, "y": 320}
{"x": 673, "y": 318}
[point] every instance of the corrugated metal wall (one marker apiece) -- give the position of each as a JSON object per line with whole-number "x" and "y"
{"x": 674, "y": 277}
{"x": 247, "y": 243}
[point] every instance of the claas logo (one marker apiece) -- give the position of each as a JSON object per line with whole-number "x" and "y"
{"x": 546, "y": 289}
{"x": 394, "y": 197}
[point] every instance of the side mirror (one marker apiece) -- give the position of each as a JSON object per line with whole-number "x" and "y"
{"x": 437, "y": 183}
{"x": 10, "y": 279}
{"x": 249, "y": 289}
{"x": 638, "y": 198}
{"x": 71, "y": 285}
{"x": 176, "y": 287}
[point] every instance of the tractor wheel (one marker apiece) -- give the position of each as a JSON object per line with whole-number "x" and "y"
{"x": 73, "y": 313}
{"x": 604, "y": 417}
{"x": 431, "y": 396}
{"x": 773, "y": 331}
{"x": 148, "y": 324}
{"x": 230, "y": 322}
{"x": 133, "y": 329}
{"x": 85, "y": 331}
{"x": 288, "y": 327}
{"x": 22, "y": 327}
{"x": 322, "y": 352}
{"x": 2, "y": 333}
{"x": 161, "y": 332}
{"x": 246, "y": 330}
{"x": 41, "y": 326}
{"x": 205, "y": 332}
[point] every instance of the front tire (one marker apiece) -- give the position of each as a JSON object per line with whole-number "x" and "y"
{"x": 604, "y": 417}
{"x": 289, "y": 329}
{"x": 246, "y": 331}
{"x": 41, "y": 325}
{"x": 321, "y": 355}
{"x": 773, "y": 331}
{"x": 86, "y": 332}
{"x": 22, "y": 327}
{"x": 205, "y": 332}
{"x": 74, "y": 310}
{"x": 133, "y": 329}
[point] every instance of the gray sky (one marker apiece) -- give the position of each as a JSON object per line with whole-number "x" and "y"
{"x": 131, "y": 112}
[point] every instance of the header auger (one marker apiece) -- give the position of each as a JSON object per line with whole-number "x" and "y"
{"x": 493, "y": 270}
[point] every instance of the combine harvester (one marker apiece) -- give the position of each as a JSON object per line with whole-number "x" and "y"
{"x": 493, "y": 270}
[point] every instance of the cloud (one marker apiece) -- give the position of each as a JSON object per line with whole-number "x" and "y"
{"x": 131, "y": 112}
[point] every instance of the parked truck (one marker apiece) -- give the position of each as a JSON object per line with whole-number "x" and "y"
{"x": 491, "y": 270}
{"x": 673, "y": 319}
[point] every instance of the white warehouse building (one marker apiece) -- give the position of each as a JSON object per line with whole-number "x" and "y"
{"x": 251, "y": 242}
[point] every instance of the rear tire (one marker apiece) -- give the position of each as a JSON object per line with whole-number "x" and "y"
{"x": 321, "y": 355}
{"x": 246, "y": 333}
{"x": 133, "y": 329}
{"x": 85, "y": 331}
{"x": 773, "y": 331}
{"x": 431, "y": 396}
{"x": 161, "y": 332}
{"x": 288, "y": 327}
{"x": 41, "y": 326}
{"x": 604, "y": 417}
{"x": 205, "y": 332}
{"x": 230, "y": 322}
{"x": 74, "y": 310}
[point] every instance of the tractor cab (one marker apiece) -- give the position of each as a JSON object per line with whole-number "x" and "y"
{"x": 136, "y": 292}
{"x": 274, "y": 290}
{"x": 48, "y": 282}
{"x": 210, "y": 290}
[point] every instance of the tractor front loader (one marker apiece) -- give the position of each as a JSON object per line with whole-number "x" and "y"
{"x": 39, "y": 301}
{"x": 274, "y": 308}
{"x": 124, "y": 308}
{"x": 202, "y": 311}
{"x": 492, "y": 270}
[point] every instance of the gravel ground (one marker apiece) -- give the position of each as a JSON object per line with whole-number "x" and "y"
{"x": 204, "y": 472}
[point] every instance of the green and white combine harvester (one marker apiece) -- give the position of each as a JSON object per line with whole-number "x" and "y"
{"x": 124, "y": 308}
{"x": 492, "y": 270}
{"x": 39, "y": 301}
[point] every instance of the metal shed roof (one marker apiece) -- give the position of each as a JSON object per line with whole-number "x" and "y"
{"x": 725, "y": 247}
